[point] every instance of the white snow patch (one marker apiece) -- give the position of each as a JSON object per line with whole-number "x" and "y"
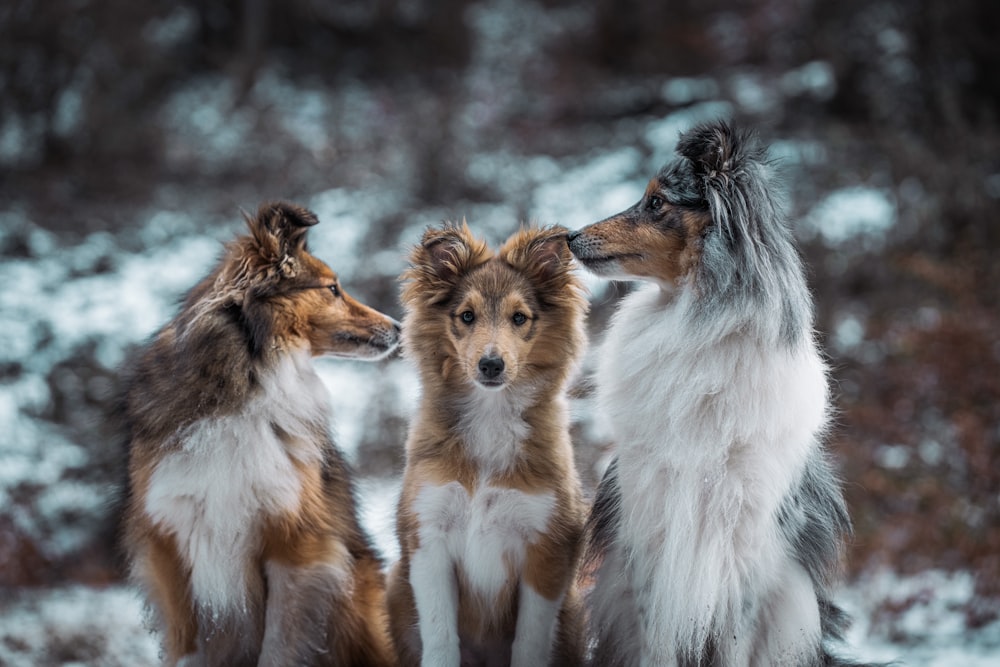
{"x": 862, "y": 213}
{"x": 76, "y": 625}
{"x": 608, "y": 182}
{"x": 203, "y": 124}
{"x": 170, "y": 30}
{"x": 20, "y": 139}
{"x": 362, "y": 393}
{"x": 848, "y": 333}
{"x": 798, "y": 152}
{"x": 816, "y": 79}
{"x": 347, "y": 219}
{"x": 490, "y": 222}
{"x": 685, "y": 90}
{"x": 753, "y": 93}
{"x": 133, "y": 302}
{"x": 893, "y": 457}
{"x": 32, "y": 453}
{"x": 931, "y": 631}
{"x": 59, "y": 507}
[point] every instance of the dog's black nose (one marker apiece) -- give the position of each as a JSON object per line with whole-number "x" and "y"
{"x": 572, "y": 235}
{"x": 491, "y": 367}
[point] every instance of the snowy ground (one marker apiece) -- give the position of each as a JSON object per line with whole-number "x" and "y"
{"x": 62, "y": 298}
{"x": 104, "y": 627}
{"x": 77, "y": 625}
{"x": 86, "y": 301}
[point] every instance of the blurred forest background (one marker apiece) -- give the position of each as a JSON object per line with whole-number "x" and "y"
{"x": 113, "y": 110}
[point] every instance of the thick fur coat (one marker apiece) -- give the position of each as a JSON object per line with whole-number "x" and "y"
{"x": 490, "y": 519}
{"x": 241, "y": 526}
{"x": 717, "y": 530}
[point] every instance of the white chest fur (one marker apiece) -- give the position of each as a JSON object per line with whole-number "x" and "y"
{"x": 485, "y": 533}
{"x": 730, "y": 405}
{"x": 232, "y": 472}
{"x": 713, "y": 434}
{"x": 493, "y": 427}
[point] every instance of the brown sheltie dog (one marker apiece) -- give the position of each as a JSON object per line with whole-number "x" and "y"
{"x": 241, "y": 526}
{"x": 490, "y": 517}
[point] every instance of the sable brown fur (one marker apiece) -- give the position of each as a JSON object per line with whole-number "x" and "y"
{"x": 451, "y": 272}
{"x": 228, "y": 438}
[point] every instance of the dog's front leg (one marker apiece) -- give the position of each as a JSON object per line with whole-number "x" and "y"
{"x": 536, "y": 625}
{"x": 299, "y": 603}
{"x": 548, "y": 573}
{"x": 442, "y": 513}
{"x": 435, "y": 593}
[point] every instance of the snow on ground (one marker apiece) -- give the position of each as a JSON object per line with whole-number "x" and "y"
{"x": 929, "y": 626}
{"x": 76, "y": 625}
{"x": 852, "y": 213}
{"x": 111, "y": 292}
{"x": 59, "y": 303}
{"x": 106, "y": 627}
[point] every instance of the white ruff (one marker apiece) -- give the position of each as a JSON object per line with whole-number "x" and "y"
{"x": 712, "y": 436}
{"x": 492, "y": 426}
{"x": 230, "y": 473}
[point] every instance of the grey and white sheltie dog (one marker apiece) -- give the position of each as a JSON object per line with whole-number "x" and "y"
{"x": 717, "y": 530}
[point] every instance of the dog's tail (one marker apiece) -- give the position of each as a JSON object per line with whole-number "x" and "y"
{"x": 605, "y": 514}
{"x": 815, "y": 522}
{"x": 834, "y": 622}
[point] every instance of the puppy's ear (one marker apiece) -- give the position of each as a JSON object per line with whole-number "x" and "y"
{"x": 279, "y": 231}
{"x": 714, "y": 149}
{"x": 444, "y": 255}
{"x": 451, "y": 250}
{"x": 541, "y": 254}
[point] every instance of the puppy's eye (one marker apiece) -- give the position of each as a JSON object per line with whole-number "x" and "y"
{"x": 468, "y": 317}
{"x": 519, "y": 318}
{"x": 655, "y": 202}
{"x": 335, "y": 290}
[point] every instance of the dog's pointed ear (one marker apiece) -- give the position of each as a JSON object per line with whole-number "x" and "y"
{"x": 279, "y": 230}
{"x": 714, "y": 149}
{"x": 444, "y": 254}
{"x": 450, "y": 251}
{"x": 541, "y": 254}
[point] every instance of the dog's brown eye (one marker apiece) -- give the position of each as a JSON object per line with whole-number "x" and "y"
{"x": 468, "y": 317}
{"x": 335, "y": 290}
{"x": 519, "y": 318}
{"x": 655, "y": 202}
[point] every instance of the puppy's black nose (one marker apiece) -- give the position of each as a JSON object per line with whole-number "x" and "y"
{"x": 491, "y": 367}
{"x": 572, "y": 235}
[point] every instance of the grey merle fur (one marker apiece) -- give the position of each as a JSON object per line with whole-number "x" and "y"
{"x": 749, "y": 271}
{"x": 749, "y": 263}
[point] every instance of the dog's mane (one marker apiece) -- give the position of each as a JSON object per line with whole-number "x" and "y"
{"x": 221, "y": 339}
{"x": 750, "y": 275}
